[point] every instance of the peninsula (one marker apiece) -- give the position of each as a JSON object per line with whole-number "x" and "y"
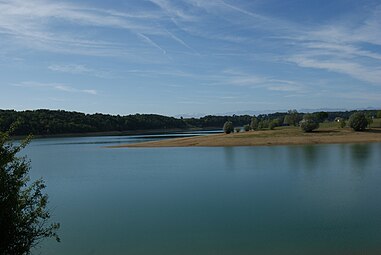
{"x": 278, "y": 136}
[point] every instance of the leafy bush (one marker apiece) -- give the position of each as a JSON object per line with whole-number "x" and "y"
{"x": 23, "y": 214}
{"x": 228, "y": 127}
{"x": 237, "y": 129}
{"x": 342, "y": 123}
{"x": 358, "y": 121}
{"x": 246, "y": 127}
{"x": 309, "y": 123}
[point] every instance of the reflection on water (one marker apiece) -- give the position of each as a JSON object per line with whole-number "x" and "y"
{"x": 107, "y": 140}
{"x": 321, "y": 199}
{"x": 360, "y": 154}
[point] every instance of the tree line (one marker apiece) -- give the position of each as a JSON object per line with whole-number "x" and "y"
{"x": 308, "y": 122}
{"x": 52, "y": 122}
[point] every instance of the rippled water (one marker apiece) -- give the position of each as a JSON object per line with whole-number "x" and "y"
{"x": 320, "y": 199}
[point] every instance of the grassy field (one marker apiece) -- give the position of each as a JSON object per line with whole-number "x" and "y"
{"x": 327, "y": 133}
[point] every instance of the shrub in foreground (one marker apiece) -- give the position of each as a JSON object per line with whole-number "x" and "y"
{"x": 23, "y": 214}
{"x": 309, "y": 123}
{"x": 358, "y": 121}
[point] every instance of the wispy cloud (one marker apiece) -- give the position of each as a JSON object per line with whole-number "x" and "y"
{"x": 70, "y": 68}
{"x": 55, "y": 86}
{"x": 173, "y": 10}
{"x": 80, "y": 69}
{"x": 240, "y": 78}
{"x": 33, "y": 24}
{"x": 151, "y": 42}
{"x": 351, "y": 68}
{"x": 344, "y": 48}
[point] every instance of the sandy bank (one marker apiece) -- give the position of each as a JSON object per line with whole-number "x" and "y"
{"x": 280, "y": 136}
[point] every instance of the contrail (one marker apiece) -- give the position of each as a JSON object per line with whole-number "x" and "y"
{"x": 152, "y": 42}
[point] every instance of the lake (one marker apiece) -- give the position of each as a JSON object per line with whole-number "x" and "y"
{"x": 316, "y": 199}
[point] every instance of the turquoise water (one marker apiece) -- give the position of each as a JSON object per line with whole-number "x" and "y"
{"x": 321, "y": 199}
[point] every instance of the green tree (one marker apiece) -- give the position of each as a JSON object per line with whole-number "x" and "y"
{"x": 274, "y": 123}
{"x": 237, "y": 129}
{"x": 309, "y": 122}
{"x": 263, "y": 124}
{"x": 321, "y": 116}
{"x": 246, "y": 127}
{"x": 292, "y": 118}
{"x": 254, "y": 123}
{"x": 378, "y": 115}
{"x": 228, "y": 127}
{"x": 369, "y": 119}
{"x": 23, "y": 214}
{"x": 358, "y": 121}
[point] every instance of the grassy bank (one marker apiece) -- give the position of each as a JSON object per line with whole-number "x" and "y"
{"x": 278, "y": 136}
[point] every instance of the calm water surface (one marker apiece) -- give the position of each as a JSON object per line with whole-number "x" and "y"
{"x": 321, "y": 199}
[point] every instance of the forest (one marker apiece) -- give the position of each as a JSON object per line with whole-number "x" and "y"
{"x": 55, "y": 122}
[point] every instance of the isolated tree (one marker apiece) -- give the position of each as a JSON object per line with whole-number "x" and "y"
{"x": 228, "y": 127}
{"x": 358, "y": 121}
{"x": 246, "y": 128}
{"x": 309, "y": 122}
{"x": 254, "y": 123}
{"x": 23, "y": 214}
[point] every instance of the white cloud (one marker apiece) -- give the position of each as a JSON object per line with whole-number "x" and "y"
{"x": 55, "y": 86}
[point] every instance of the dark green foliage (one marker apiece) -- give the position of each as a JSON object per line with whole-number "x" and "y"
{"x": 46, "y": 122}
{"x": 358, "y": 121}
{"x": 369, "y": 119}
{"x": 264, "y": 123}
{"x": 378, "y": 114}
{"x": 254, "y": 123}
{"x": 292, "y": 118}
{"x": 211, "y": 121}
{"x": 321, "y": 116}
{"x": 347, "y": 114}
{"x": 273, "y": 124}
{"x": 246, "y": 127}
{"x": 228, "y": 127}
{"x": 23, "y": 215}
{"x": 237, "y": 129}
{"x": 309, "y": 123}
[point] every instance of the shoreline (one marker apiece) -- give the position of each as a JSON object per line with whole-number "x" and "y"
{"x": 279, "y": 136}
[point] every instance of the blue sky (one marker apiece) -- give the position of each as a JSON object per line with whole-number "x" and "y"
{"x": 189, "y": 56}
